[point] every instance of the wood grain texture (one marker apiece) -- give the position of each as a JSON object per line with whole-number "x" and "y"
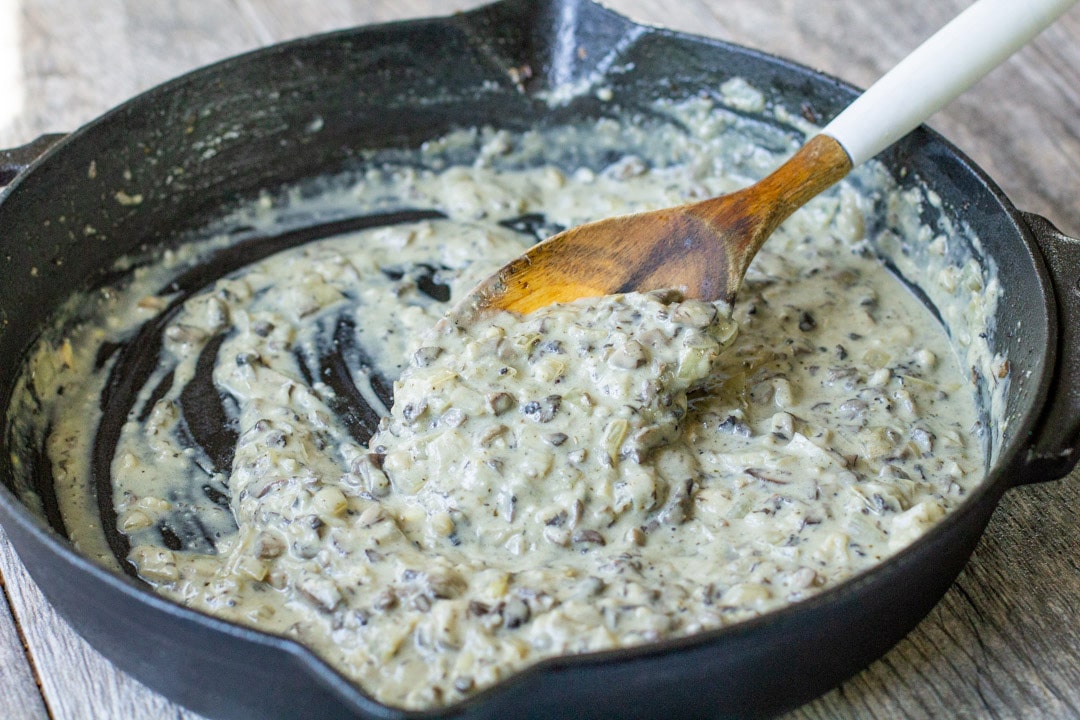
{"x": 19, "y": 695}
{"x": 1005, "y": 640}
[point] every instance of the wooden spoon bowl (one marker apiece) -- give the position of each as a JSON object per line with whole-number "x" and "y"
{"x": 701, "y": 248}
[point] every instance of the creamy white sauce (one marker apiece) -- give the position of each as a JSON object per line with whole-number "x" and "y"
{"x": 591, "y": 476}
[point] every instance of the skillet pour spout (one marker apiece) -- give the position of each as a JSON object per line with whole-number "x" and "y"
{"x": 514, "y": 64}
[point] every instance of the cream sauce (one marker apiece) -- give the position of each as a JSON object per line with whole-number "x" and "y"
{"x": 596, "y": 475}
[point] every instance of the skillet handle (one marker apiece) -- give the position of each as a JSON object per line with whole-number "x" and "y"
{"x": 15, "y": 160}
{"x": 1055, "y": 449}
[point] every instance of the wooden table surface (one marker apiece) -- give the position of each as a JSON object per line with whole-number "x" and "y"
{"x": 1004, "y": 642}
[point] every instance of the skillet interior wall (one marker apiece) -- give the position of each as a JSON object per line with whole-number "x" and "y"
{"x": 1021, "y": 329}
{"x": 183, "y": 155}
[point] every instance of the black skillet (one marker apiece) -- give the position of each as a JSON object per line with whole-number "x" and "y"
{"x": 393, "y": 86}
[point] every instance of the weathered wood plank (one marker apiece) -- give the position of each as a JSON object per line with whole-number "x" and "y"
{"x": 20, "y": 698}
{"x": 1005, "y": 640}
{"x": 77, "y": 682}
{"x": 277, "y": 20}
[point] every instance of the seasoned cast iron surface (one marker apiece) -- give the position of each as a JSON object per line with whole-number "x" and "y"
{"x": 209, "y": 416}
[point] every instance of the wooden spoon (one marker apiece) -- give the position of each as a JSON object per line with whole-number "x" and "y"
{"x": 704, "y": 248}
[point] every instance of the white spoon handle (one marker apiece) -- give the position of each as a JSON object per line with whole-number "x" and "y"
{"x": 952, "y": 60}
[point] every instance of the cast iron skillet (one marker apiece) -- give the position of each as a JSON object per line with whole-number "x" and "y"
{"x": 394, "y": 86}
